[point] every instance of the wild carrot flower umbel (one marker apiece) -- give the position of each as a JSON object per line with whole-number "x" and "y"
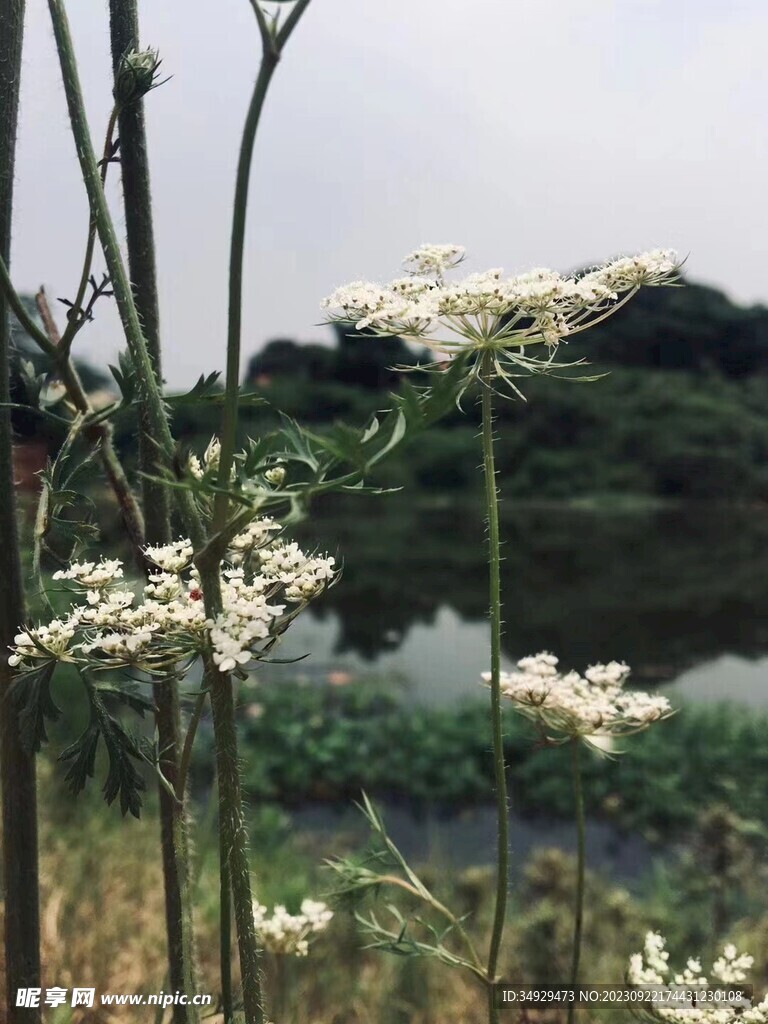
{"x": 290, "y": 934}
{"x": 490, "y": 311}
{"x": 651, "y": 967}
{"x": 266, "y": 582}
{"x": 585, "y": 707}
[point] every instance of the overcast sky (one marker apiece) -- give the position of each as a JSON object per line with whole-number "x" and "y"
{"x": 535, "y": 132}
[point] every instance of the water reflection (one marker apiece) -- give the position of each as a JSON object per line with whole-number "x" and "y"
{"x": 665, "y": 590}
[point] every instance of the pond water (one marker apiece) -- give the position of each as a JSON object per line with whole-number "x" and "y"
{"x": 680, "y": 594}
{"x": 468, "y": 839}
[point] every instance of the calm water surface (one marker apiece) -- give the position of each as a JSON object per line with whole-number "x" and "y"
{"x": 680, "y": 594}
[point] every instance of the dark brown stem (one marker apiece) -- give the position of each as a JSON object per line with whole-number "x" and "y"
{"x": 174, "y": 826}
{"x": 17, "y": 766}
{"x": 79, "y": 314}
{"x": 100, "y": 433}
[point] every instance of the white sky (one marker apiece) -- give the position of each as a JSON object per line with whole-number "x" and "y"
{"x": 536, "y": 132}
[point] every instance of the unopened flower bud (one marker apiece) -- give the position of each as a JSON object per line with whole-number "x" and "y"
{"x": 136, "y": 75}
{"x": 275, "y": 476}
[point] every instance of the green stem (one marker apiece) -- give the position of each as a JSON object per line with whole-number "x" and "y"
{"x": 272, "y": 47}
{"x": 494, "y": 558}
{"x": 578, "y": 793}
{"x": 174, "y": 824}
{"x": 10, "y": 297}
{"x": 233, "y": 836}
{"x": 174, "y": 841}
{"x": 225, "y": 933}
{"x": 189, "y": 741}
{"x": 17, "y": 766}
{"x": 281, "y": 987}
{"x": 236, "y": 255}
{"x": 234, "y": 853}
{"x": 148, "y": 390}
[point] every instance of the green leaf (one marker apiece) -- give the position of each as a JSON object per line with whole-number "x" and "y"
{"x": 60, "y": 493}
{"x": 123, "y": 779}
{"x": 125, "y": 377}
{"x": 31, "y": 693}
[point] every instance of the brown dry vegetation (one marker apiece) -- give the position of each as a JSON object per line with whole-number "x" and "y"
{"x": 102, "y": 925}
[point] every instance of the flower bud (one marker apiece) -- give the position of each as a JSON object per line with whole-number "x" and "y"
{"x": 136, "y": 75}
{"x": 275, "y": 476}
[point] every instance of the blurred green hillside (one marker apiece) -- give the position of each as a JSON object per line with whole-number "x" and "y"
{"x": 680, "y": 412}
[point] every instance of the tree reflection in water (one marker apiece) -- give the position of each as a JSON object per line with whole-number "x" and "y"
{"x": 663, "y": 589}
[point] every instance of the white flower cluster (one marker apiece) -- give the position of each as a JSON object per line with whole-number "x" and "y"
{"x": 290, "y": 934}
{"x": 591, "y": 706}
{"x": 265, "y": 584}
{"x": 209, "y": 463}
{"x": 651, "y": 967}
{"x": 489, "y": 310}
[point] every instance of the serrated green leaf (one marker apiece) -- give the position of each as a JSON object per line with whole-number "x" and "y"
{"x": 123, "y": 779}
{"x": 31, "y": 693}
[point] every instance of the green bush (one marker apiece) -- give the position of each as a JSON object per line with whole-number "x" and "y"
{"x": 309, "y": 742}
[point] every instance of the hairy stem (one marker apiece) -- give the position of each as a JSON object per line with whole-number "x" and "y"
{"x": 234, "y": 857}
{"x": 17, "y": 766}
{"x": 494, "y": 559}
{"x": 137, "y": 200}
{"x": 237, "y": 247}
{"x": 578, "y": 794}
{"x": 233, "y": 837}
{"x": 225, "y": 931}
{"x": 147, "y": 385}
{"x": 272, "y": 47}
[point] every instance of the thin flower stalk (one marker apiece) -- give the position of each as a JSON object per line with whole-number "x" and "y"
{"x": 581, "y": 857}
{"x": 500, "y": 770}
{"x": 100, "y": 433}
{"x": 234, "y": 858}
{"x": 78, "y": 314}
{"x": 17, "y": 765}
